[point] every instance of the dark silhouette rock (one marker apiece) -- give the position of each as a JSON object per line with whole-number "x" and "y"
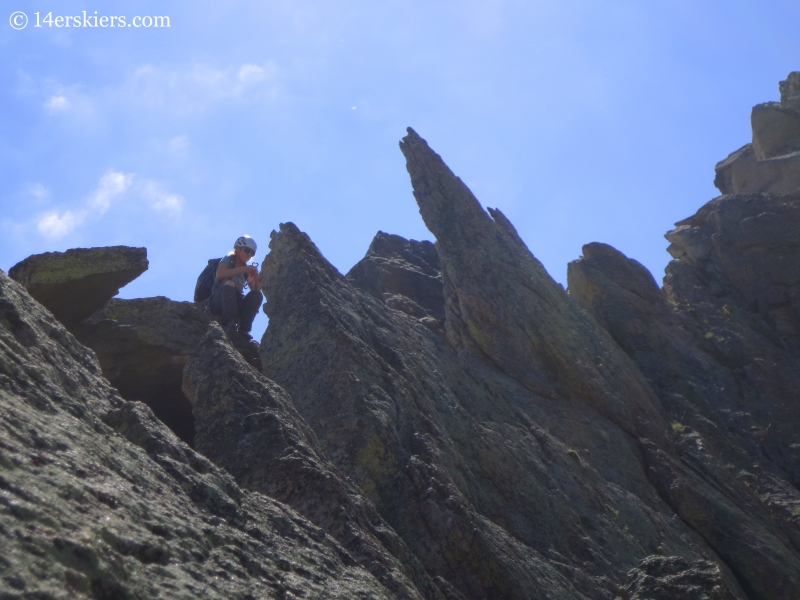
{"x": 248, "y": 425}
{"x": 74, "y": 284}
{"x": 99, "y": 499}
{"x": 142, "y": 344}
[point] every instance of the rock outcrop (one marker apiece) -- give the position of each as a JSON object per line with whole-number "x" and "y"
{"x": 74, "y": 284}
{"x": 771, "y": 163}
{"x": 98, "y": 499}
{"x": 248, "y": 425}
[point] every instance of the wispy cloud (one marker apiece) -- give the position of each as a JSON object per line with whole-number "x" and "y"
{"x": 112, "y": 187}
{"x": 200, "y": 86}
{"x": 57, "y": 103}
{"x": 161, "y": 200}
{"x": 179, "y": 144}
{"x": 54, "y": 226}
{"x": 59, "y": 100}
{"x": 38, "y": 191}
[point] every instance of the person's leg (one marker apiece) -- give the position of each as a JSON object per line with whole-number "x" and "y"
{"x": 248, "y": 309}
{"x": 229, "y": 303}
{"x": 215, "y": 303}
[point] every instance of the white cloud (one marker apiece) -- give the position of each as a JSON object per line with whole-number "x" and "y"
{"x": 179, "y": 144}
{"x": 57, "y": 103}
{"x": 251, "y": 74}
{"x": 111, "y": 185}
{"x": 162, "y": 201}
{"x": 54, "y": 226}
{"x": 38, "y": 191}
{"x": 200, "y": 86}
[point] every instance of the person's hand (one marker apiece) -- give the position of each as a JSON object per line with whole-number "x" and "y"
{"x": 251, "y": 270}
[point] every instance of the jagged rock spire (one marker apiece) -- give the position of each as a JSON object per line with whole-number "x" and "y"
{"x": 501, "y": 302}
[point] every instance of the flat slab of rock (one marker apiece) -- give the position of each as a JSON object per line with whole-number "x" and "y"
{"x": 74, "y": 284}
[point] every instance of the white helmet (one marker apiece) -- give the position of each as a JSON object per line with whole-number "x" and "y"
{"x": 246, "y": 241}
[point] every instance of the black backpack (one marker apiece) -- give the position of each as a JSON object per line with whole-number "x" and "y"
{"x": 202, "y": 291}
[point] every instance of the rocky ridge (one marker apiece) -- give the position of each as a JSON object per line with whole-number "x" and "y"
{"x": 448, "y": 422}
{"x": 98, "y": 499}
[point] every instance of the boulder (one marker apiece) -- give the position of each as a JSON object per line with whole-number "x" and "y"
{"x": 98, "y": 499}
{"x": 74, "y": 284}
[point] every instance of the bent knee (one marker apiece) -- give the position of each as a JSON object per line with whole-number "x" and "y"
{"x": 230, "y": 283}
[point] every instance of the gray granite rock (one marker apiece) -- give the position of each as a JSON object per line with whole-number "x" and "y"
{"x": 790, "y": 91}
{"x": 725, "y": 369}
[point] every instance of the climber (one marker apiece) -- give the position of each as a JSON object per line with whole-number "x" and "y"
{"x": 227, "y": 296}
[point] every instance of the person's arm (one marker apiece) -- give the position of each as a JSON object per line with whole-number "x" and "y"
{"x": 225, "y": 272}
{"x": 254, "y": 281}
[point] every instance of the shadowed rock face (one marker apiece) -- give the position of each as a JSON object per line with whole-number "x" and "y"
{"x": 74, "y": 284}
{"x": 99, "y": 499}
{"x": 143, "y": 346}
{"x": 249, "y": 426}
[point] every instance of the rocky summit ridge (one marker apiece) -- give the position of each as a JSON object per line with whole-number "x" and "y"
{"x": 444, "y": 421}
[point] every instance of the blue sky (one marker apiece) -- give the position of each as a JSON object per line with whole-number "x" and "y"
{"x": 582, "y": 120}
